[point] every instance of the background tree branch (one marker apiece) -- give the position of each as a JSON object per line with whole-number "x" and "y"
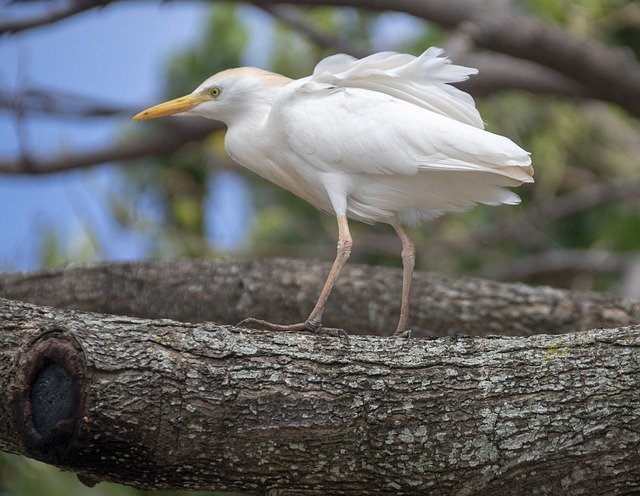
{"x": 611, "y": 74}
{"x": 496, "y": 72}
{"x": 51, "y": 16}
{"x": 365, "y": 299}
{"x": 535, "y": 218}
{"x": 564, "y": 261}
{"x": 607, "y": 73}
{"x": 503, "y": 73}
{"x": 56, "y": 103}
{"x": 156, "y": 144}
{"x": 293, "y": 18}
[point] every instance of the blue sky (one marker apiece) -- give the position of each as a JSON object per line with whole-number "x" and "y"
{"x": 116, "y": 54}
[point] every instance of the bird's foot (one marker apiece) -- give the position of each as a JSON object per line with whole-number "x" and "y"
{"x": 310, "y": 325}
{"x": 406, "y": 334}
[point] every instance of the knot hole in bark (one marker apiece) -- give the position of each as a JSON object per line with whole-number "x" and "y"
{"x": 48, "y": 396}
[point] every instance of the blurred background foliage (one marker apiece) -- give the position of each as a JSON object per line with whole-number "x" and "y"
{"x": 579, "y": 148}
{"x": 21, "y": 476}
{"x": 574, "y": 146}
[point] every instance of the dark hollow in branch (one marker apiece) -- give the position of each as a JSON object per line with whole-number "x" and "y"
{"x": 53, "y": 398}
{"x": 365, "y": 300}
{"x": 47, "y": 396}
{"x": 165, "y": 404}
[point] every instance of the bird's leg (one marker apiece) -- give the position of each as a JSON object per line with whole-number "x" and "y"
{"x": 314, "y": 321}
{"x": 342, "y": 254}
{"x": 408, "y": 263}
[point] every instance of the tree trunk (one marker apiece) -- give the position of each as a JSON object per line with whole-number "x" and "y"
{"x": 163, "y": 404}
{"x": 365, "y": 300}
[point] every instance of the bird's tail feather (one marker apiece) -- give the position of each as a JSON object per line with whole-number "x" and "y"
{"x": 429, "y": 194}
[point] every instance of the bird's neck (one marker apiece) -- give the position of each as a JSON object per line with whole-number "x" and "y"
{"x": 247, "y": 140}
{"x": 253, "y": 110}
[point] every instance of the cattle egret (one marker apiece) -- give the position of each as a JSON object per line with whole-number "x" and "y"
{"x": 384, "y": 138}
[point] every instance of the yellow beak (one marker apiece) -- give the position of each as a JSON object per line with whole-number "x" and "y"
{"x": 175, "y": 106}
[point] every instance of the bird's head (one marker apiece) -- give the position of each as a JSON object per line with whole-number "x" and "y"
{"x": 224, "y": 96}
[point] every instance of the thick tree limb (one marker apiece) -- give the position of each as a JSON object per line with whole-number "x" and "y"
{"x": 365, "y": 299}
{"x": 162, "y": 404}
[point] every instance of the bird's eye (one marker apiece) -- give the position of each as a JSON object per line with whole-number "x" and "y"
{"x": 214, "y": 91}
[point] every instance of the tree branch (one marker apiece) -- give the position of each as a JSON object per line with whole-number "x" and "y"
{"x": 164, "y": 405}
{"x": 564, "y": 261}
{"x": 496, "y": 72}
{"x": 365, "y": 299}
{"x": 160, "y": 143}
{"x": 610, "y": 74}
{"x": 588, "y": 197}
{"x": 59, "y": 104}
{"x": 501, "y": 72}
{"x": 69, "y": 9}
{"x": 291, "y": 17}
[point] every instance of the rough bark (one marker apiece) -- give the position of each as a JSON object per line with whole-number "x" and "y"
{"x": 365, "y": 299}
{"x": 163, "y": 404}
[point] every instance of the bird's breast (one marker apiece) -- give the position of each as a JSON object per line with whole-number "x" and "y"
{"x": 247, "y": 149}
{"x": 270, "y": 159}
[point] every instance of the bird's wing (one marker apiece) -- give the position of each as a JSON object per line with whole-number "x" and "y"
{"x": 423, "y": 80}
{"x": 353, "y": 130}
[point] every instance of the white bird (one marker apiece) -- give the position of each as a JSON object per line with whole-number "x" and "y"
{"x": 385, "y": 138}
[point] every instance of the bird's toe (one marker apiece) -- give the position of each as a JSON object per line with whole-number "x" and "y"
{"x": 406, "y": 334}
{"x": 249, "y": 321}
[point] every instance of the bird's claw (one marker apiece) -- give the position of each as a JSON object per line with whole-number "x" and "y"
{"x": 336, "y": 332}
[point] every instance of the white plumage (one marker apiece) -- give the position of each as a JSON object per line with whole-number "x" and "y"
{"x": 384, "y": 138}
